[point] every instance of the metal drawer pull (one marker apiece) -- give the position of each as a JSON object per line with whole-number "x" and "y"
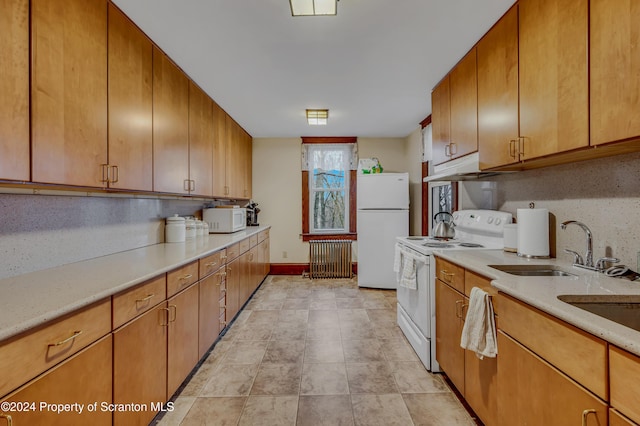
{"x": 68, "y": 339}
{"x": 116, "y": 174}
{"x": 175, "y": 312}
{"x": 210, "y": 264}
{"x": 459, "y": 308}
{"x": 446, "y": 274}
{"x": 186, "y": 277}
{"x": 8, "y": 418}
{"x": 144, "y": 299}
{"x": 586, "y": 413}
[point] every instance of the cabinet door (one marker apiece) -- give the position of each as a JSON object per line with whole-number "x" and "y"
{"x": 170, "y": 126}
{"x": 615, "y": 70}
{"x": 246, "y": 159}
{"x": 83, "y": 379}
{"x": 234, "y": 165}
{"x": 449, "y": 306}
{"x": 69, "y": 91}
{"x": 498, "y": 93}
{"x": 440, "y": 121}
{"x": 554, "y": 91}
{"x": 209, "y": 326}
{"x": 481, "y": 385}
{"x": 263, "y": 259}
{"x": 14, "y": 90}
{"x": 464, "y": 106}
{"x": 219, "y": 152}
{"x": 182, "y": 353}
{"x": 534, "y": 392}
{"x": 201, "y": 135}
{"x": 140, "y": 365}
{"x": 234, "y": 273}
{"x": 130, "y": 105}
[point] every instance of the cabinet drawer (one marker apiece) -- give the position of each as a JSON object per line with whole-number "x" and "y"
{"x": 25, "y": 356}
{"x": 138, "y": 300}
{"x": 233, "y": 251}
{"x": 624, "y": 375}
{"x": 245, "y": 245}
{"x": 211, "y": 263}
{"x": 578, "y": 354}
{"x": 253, "y": 240}
{"x": 471, "y": 280}
{"x": 450, "y": 273}
{"x": 263, "y": 235}
{"x": 181, "y": 278}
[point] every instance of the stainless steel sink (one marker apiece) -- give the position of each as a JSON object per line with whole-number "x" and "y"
{"x": 533, "y": 270}
{"x": 623, "y": 309}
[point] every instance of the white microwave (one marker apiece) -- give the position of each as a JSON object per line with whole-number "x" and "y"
{"x": 223, "y": 221}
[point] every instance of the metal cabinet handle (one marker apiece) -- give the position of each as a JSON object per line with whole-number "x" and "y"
{"x": 463, "y": 316}
{"x": 105, "y": 173}
{"x": 192, "y": 185}
{"x": 446, "y": 274}
{"x": 585, "y": 414}
{"x": 164, "y": 324}
{"x": 144, "y": 299}
{"x": 186, "y": 185}
{"x": 459, "y": 309}
{"x": 186, "y": 277}
{"x": 521, "y": 146}
{"x": 512, "y": 148}
{"x": 453, "y": 144}
{"x": 175, "y": 313}
{"x": 447, "y": 150}
{"x": 210, "y": 264}
{"x": 116, "y": 174}
{"x": 68, "y": 339}
{"x": 8, "y": 418}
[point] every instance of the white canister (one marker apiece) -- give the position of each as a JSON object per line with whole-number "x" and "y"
{"x": 205, "y": 229}
{"x": 175, "y": 229}
{"x": 199, "y": 228}
{"x": 190, "y": 225}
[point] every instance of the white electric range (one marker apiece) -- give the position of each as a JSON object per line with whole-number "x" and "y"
{"x": 475, "y": 230}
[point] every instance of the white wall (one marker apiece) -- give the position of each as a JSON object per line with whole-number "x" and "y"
{"x": 604, "y": 194}
{"x": 414, "y": 167}
{"x": 277, "y": 182}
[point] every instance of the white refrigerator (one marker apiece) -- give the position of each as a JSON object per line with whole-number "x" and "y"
{"x": 382, "y": 215}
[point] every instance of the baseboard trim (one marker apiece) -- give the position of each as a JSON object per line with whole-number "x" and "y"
{"x": 297, "y": 268}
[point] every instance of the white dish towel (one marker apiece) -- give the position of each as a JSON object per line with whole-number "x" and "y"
{"x": 404, "y": 265}
{"x": 479, "y": 330}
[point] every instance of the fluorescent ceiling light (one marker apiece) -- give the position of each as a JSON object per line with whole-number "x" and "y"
{"x": 313, "y": 7}
{"x": 317, "y": 117}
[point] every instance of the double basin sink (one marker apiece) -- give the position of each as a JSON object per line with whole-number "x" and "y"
{"x": 619, "y": 308}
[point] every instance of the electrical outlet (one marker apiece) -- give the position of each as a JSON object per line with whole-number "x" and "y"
{"x": 284, "y": 254}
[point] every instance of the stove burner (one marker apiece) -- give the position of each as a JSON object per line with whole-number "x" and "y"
{"x": 470, "y": 245}
{"x": 438, "y": 245}
{"x": 416, "y": 238}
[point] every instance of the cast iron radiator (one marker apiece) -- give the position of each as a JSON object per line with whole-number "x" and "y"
{"x": 330, "y": 259}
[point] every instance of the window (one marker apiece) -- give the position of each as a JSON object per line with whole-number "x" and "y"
{"x": 328, "y": 188}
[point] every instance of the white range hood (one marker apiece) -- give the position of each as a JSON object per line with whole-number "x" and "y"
{"x": 463, "y": 168}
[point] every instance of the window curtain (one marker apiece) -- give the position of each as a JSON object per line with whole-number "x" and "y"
{"x": 329, "y": 156}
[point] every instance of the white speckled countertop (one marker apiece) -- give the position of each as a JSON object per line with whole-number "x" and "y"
{"x": 543, "y": 292}
{"x": 32, "y": 299}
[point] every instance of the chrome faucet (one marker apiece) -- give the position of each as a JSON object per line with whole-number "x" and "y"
{"x": 588, "y": 256}
{"x": 587, "y": 262}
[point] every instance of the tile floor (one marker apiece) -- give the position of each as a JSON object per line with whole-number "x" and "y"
{"x": 315, "y": 352}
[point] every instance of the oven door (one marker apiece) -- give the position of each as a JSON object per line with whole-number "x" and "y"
{"x": 416, "y": 303}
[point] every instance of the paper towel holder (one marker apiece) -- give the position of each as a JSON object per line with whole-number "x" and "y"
{"x": 550, "y": 251}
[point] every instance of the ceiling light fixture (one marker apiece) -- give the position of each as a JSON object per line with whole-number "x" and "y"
{"x": 313, "y": 7}
{"x": 317, "y": 117}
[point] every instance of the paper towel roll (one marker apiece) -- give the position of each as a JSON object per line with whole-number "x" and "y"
{"x": 533, "y": 232}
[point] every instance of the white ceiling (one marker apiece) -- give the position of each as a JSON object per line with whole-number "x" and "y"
{"x": 373, "y": 65}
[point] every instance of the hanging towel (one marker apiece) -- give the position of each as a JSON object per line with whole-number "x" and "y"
{"x": 404, "y": 265}
{"x": 479, "y": 330}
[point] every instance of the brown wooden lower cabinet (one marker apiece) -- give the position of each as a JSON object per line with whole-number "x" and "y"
{"x": 139, "y": 365}
{"x": 449, "y": 354}
{"x": 209, "y": 310}
{"x": 534, "y": 392}
{"x": 234, "y": 274}
{"x": 182, "y": 339}
{"x": 83, "y": 379}
{"x": 624, "y": 382}
{"x": 617, "y": 419}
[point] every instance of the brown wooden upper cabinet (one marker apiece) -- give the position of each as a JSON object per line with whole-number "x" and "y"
{"x": 219, "y": 151}
{"x": 459, "y": 90}
{"x": 498, "y": 125}
{"x": 236, "y": 164}
{"x": 615, "y": 70}
{"x": 553, "y": 76}
{"x": 14, "y": 90}
{"x": 201, "y": 141}
{"x": 170, "y": 126}
{"x": 69, "y": 91}
{"x": 130, "y": 105}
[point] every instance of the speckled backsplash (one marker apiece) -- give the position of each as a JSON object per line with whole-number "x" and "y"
{"x": 43, "y": 231}
{"x": 604, "y": 194}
